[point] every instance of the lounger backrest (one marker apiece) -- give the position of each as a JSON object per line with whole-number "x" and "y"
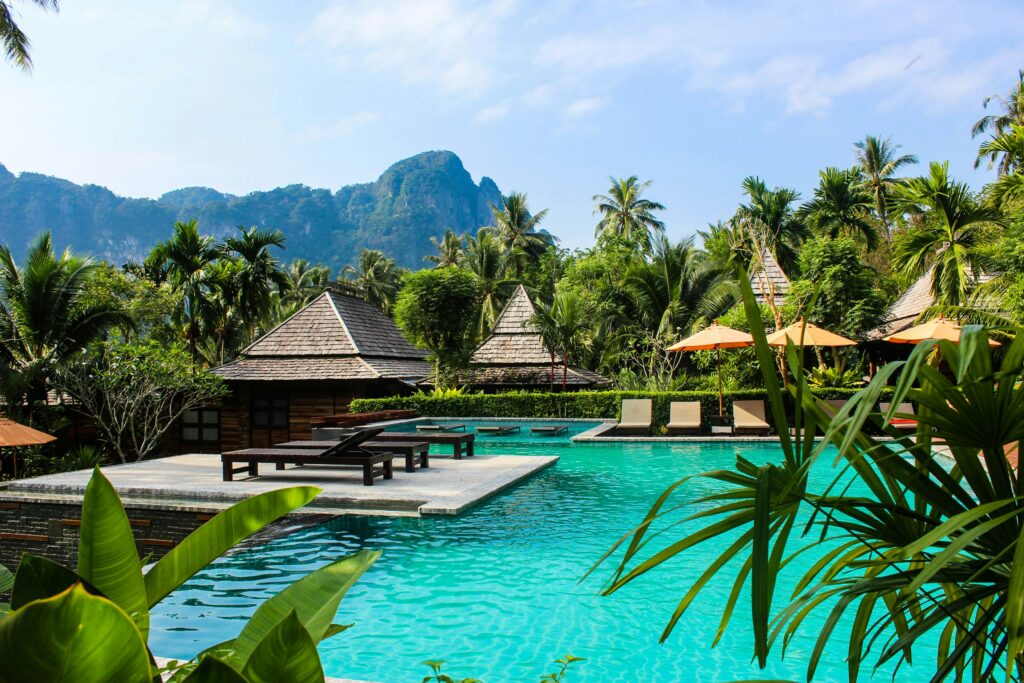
{"x": 684, "y": 412}
{"x": 905, "y": 408}
{"x": 748, "y": 413}
{"x": 636, "y": 410}
{"x": 351, "y": 441}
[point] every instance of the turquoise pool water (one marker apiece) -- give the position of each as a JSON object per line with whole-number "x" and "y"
{"x": 496, "y": 591}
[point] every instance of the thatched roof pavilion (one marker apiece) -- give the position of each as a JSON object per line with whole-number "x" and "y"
{"x": 514, "y": 355}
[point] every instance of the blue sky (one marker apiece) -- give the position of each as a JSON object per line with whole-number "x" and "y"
{"x": 549, "y": 98}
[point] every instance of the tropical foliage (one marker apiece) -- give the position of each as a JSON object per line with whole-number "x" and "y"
{"x": 91, "y": 623}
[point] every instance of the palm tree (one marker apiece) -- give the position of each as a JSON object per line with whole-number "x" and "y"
{"x": 258, "y": 274}
{"x": 44, "y": 316}
{"x": 879, "y": 161}
{"x": 946, "y": 237}
{"x": 449, "y": 249}
{"x": 841, "y": 204}
{"x": 377, "y": 276}
{"x": 626, "y": 214}
{"x": 188, "y": 258}
{"x": 518, "y": 230}
{"x": 563, "y": 326}
{"x": 679, "y": 290}
{"x": 15, "y": 43}
{"x": 1005, "y": 150}
{"x": 770, "y": 223}
{"x": 1011, "y": 110}
{"x": 486, "y": 258}
{"x": 305, "y": 283}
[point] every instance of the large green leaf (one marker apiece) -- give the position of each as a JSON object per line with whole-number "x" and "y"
{"x": 314, "y": 599}
{"x": 221, "y": 533}
{"x": 6, "y": 579}
{"x": 73, "y": 637}
{"x": 213, "y": 670}
{"x": 39, "y": 578}
{"x": 286, "y": 654}
{"x": 107, "y": 556}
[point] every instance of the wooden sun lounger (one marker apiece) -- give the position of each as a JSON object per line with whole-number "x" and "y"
{"x": 462, "y": 444}
{"x": 373, "y": 464}
{"x": 499, "y": 430}
{"x": 684, "y": 417}
{"x": 636, "y": 416}
{"x": 441, "y": 428}
{"x": 748, "y": 418}
{"x": 550, "y": 430}
{"x": 412, "y": 451}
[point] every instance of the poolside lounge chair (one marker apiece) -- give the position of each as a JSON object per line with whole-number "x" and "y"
{"x": 347, "y": 451}
{"x": 549, "y": 430}
{"x": 441, "y": 428}
{"x": 903, "y": 424}
{"x": 684, "y": 417}
{"x": 636, "y": 416}
{"x": 499, "y": 430}
{"x": 462, "y": 443}
{"x": 748, "y": 418}
{"x": 413, "y": 451}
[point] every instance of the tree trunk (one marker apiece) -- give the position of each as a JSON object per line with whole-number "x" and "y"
{"x": 565, "y": 370}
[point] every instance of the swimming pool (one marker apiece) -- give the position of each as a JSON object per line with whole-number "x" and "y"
{"x": 496, "y": 591}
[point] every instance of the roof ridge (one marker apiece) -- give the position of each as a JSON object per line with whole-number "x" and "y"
{"x": 341, "y": 319}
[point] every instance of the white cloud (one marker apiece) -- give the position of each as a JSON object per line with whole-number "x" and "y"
{"x": 340, "y": 128}
{"x": 584, "y": 107}
{"x": 495, "y": 112}
{"x": 444, "y": 42}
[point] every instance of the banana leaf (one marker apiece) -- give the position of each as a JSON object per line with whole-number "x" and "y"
{"x": 72, "y": 637}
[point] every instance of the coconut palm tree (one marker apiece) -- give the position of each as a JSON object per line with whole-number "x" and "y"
{"x": 950, "y": 227}
{"x": 44, "y": 317}
{"x": 1011, "y": 110}
{"x": 486, "y": 258}
{"x": 625, "y": 213}
{"x": 188, "y": 260}
{"x": 841, "y": 205}
{"x": 879, "y": 160}
{"x": 518, "y": 230}
{"x": 1005, "y": 150}
{"x": 449, "y": 249}
{"x": 14, "y": 41}
{"x": 258, "y": 274}
{"x": 377, "y": 276}
{"x": 305, "y": 283}
{"x": 678, "y": 290}
{"x": 770, "y": 222}
{"x": 563, "y": 326}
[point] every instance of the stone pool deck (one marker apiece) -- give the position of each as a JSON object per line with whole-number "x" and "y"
{"x": 193, "y": 483}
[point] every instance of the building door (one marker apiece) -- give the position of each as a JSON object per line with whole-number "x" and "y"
{"x": 268, "y": 421}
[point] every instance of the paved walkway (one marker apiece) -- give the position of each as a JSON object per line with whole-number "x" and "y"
{"x": 447, "y": 487}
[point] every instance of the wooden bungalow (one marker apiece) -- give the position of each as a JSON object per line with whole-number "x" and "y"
{"x": 514, "y": 356}
{"x": 334, "y": 350}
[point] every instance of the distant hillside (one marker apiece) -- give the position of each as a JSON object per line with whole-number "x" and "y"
{"x": 415, "y": 199}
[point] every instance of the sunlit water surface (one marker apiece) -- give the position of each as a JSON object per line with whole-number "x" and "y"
{"x": 496, "y": 591}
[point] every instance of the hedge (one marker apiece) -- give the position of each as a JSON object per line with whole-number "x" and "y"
{"x": 583, "y": 404}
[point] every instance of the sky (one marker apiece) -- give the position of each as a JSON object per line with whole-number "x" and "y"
{"x": 545, "y": 97}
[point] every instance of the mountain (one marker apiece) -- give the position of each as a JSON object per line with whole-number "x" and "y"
{"x": 414, "y": 200}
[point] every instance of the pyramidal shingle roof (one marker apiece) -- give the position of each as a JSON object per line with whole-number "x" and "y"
{"x": 768, "y": 277}
{"x": 515, "y": 355}
{"x": 335, "y": 325}
{"x": 334, "y": 337}
{"x": 514, "y": 339}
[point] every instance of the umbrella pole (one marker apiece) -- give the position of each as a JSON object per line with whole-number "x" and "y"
{"x": 721, "y": 407}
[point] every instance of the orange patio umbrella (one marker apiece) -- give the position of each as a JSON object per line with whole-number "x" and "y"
{"x": 937, "y": 328}
{"x": 715, "y": 337}
{"x": 803, "y": 333}
{"x": 14, "y": 434}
